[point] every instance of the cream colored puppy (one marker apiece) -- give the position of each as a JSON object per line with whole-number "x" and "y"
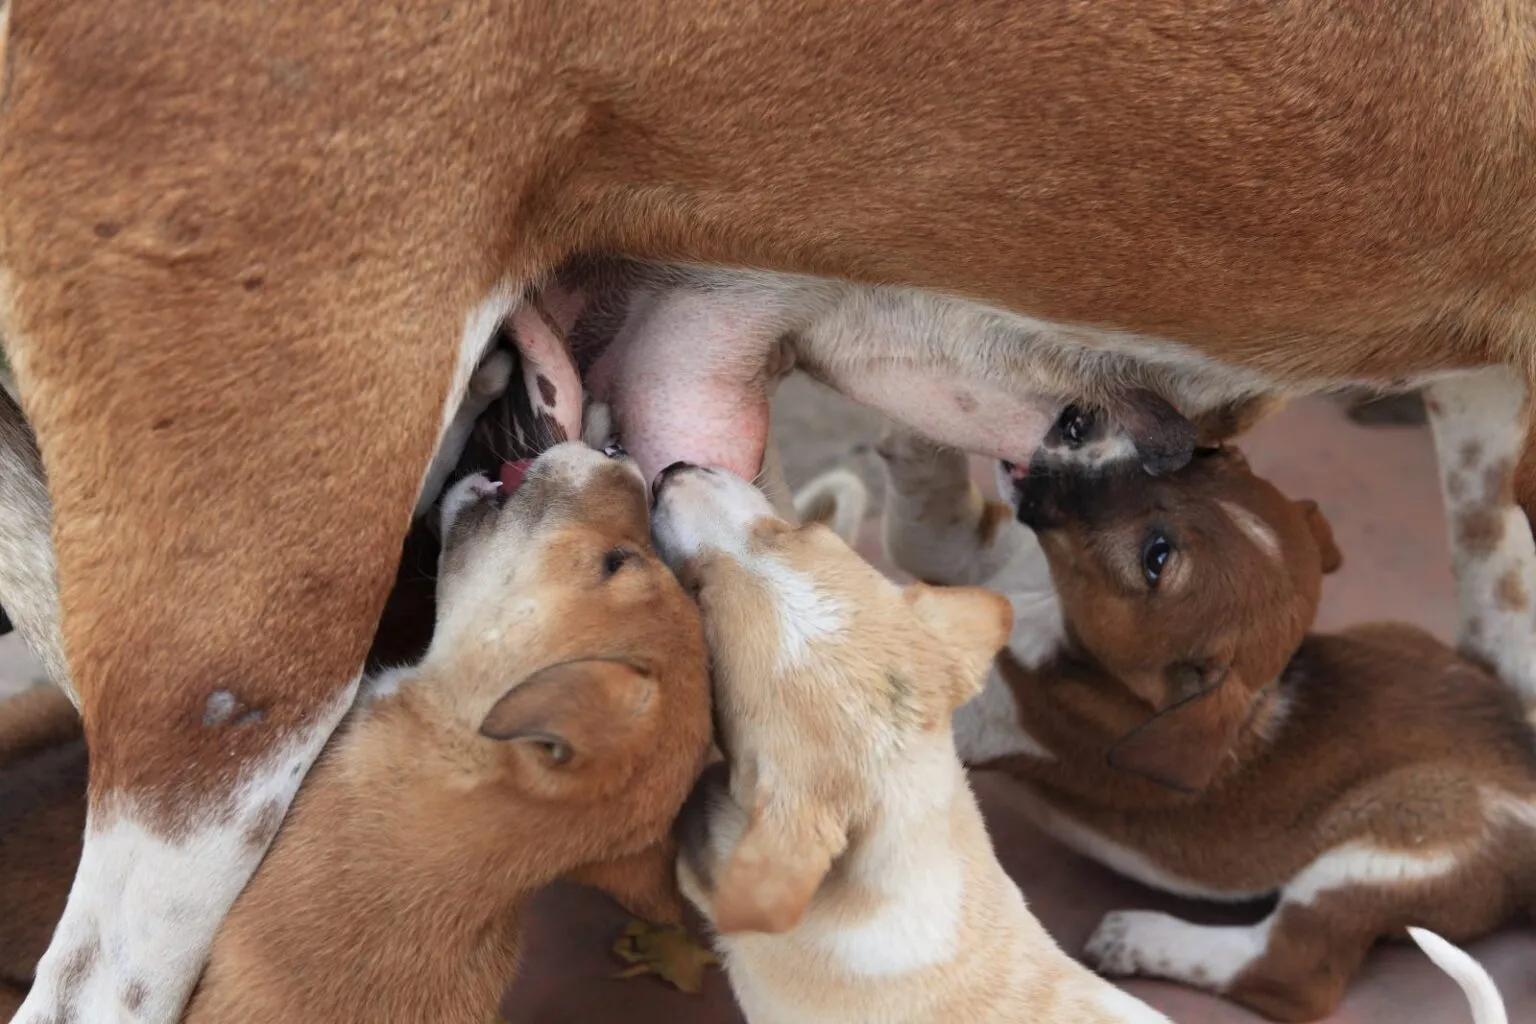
{"x": 841, "y": 857}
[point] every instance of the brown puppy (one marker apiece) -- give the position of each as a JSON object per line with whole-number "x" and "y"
{"x": 1172, "y": 717}
{"x": 842, "y": 857}
{"x": 552, "y": 729}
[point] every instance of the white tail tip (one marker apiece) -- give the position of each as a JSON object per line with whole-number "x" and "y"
{"x": 837, "y": 498}
{"x": 1482, "y": 994}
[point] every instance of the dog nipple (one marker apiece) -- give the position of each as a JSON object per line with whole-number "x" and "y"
{"x": 512, "y": 474}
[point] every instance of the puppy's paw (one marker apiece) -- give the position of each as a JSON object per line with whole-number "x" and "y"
{"x": 1110, "y": 949}
{"x": 898, "y": 445}
{"x": 492, "y": 376}
{"x": 461, "y": 495}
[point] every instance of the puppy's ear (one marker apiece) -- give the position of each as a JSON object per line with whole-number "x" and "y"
{"x": 1322, "y": 533}
{"x": 1164, "y": 439}
{"x": 768, "y": 880}
{"x": 975, "y": 622}
{"x": 1233, "y": 419}
{"x": 1184, "y": 744}
{"x": 569, "y": 713}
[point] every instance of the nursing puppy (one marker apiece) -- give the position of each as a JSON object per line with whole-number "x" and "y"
{"x": 841, "y": 856}
{"x": 553, "y": 729}
{"x": 1173, "y": 718}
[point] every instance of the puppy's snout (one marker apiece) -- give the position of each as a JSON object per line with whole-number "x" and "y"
{"x": 670, "y": 473}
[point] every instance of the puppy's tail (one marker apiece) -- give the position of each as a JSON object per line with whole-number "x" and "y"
{"x": 1481, "y": 993}
{"x": 836, "y": 498}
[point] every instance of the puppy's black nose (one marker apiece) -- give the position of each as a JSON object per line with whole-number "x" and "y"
{"x": 615, "y": 451}
{"x": 670, "y": 471}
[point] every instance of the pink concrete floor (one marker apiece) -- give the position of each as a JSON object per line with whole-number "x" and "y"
{"x": 1378, "y": 487}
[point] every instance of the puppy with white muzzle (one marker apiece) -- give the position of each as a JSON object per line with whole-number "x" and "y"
{"x": 840, "y": 854}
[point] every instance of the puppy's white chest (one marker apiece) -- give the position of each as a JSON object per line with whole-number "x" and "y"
{"x": 916, "y": 926}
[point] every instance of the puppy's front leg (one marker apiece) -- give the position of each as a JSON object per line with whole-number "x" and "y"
{"x": 937, "y": 526}
{"x": 1292, "y": 966}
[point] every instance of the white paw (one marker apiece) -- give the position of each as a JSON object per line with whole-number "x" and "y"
{"x": 598, "y": 430}
{"x": 1109, "y": 948}
{"x": 463, "y": 494}
{"x": 492, "y": 376}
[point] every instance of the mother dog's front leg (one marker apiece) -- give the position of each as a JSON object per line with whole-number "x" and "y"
{"x": 233, "y": 305}
{"x": 223, "y": 557}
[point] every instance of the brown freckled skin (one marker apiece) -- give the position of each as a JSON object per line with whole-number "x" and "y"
{"x": 547, "y": 390}
{"x": 1471, "y": 453}
{"x": 1511, "y": 594}
{"x": 1479, "y": 530}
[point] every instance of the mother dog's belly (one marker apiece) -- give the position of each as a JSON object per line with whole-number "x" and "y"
{"x": 689, "y": 357}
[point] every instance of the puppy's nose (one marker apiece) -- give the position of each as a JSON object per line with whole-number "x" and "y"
{"x": 666, "y": 474}
{"x": 615, "y": 451}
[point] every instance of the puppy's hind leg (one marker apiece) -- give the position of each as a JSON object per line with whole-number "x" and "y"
{"x": 936, "y": 524}
{"x": 1479, "y": 424}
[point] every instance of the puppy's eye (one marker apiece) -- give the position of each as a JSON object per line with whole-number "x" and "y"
{"x": 1154, "y": 555}
{"x": 614, "y": 560}
{"x": 1075, "y": 423}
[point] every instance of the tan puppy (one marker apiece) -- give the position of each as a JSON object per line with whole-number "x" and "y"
{"x": 553, "y": 729}
{"x": 845, "y": 864}
{"x": 1171, "y": 715}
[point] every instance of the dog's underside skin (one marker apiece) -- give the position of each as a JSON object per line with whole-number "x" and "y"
{"x": 249, "y": 255}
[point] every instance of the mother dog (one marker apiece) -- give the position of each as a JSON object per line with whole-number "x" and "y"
{"x": 251, "y": 252}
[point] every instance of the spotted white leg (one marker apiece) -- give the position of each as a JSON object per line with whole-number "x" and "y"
{"x": 1478, "y": 420}
{"x": 133, "y": 937}
{"x": 1294, "y": 964}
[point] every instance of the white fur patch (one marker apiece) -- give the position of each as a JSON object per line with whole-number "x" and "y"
{"x": 1149, "y": 942}
{"x": 909, "y": 861}
{"x": 144, "y": 908}
{"x": 805, "y": 614}
{"x": 459, "y": 414}
{"x": 1361, "y": 864}
{"x": 917, "y": 927}
{"x": 1254, "y": 528}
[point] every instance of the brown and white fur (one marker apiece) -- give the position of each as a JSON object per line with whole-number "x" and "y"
{"x": 1171, "y": 716}
{"x": 290, "y": 234}
{"x": 552, "y": 729}
{"x": 839, "y": 853}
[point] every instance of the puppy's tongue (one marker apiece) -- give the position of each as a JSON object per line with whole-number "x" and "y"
{"x": 1016, "y": 471}
{"x": 512, "y": 474}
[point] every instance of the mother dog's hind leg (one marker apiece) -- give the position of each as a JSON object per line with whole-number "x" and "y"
{"x": 1480, "y": 428}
